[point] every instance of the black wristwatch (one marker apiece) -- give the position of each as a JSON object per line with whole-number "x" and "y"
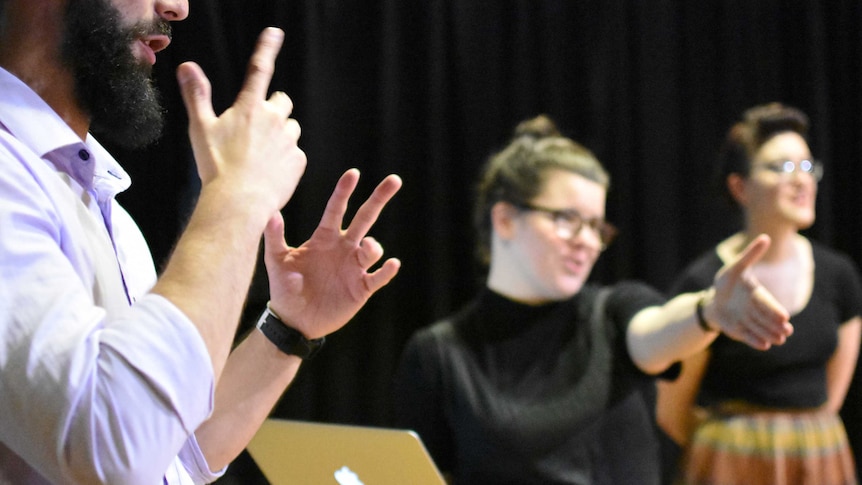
{"x": 288, "y": 339}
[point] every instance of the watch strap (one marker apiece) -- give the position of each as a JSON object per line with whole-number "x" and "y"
{"x": 287, "y": 339}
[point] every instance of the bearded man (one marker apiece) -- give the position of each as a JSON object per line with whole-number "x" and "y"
{"x": 110, "y": 373}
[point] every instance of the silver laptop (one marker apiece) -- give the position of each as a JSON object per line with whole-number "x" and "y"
{"x": 300, "y": 453}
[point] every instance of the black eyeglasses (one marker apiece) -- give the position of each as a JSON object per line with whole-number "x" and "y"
{"x": 569, "y": 223}
{"x": 786, "y": 168}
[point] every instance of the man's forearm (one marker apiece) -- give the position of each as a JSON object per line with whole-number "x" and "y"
{"x": 210, "y": 270}
{"x": 255, "y": 377}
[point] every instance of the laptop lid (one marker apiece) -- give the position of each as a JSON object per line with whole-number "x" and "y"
{"x": 299, "y": 452}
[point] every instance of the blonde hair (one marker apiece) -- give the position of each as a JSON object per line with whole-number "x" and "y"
{"x": 516, "y": 174}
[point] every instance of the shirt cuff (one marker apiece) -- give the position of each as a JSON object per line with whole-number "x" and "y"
{"x": 196, "y": 465}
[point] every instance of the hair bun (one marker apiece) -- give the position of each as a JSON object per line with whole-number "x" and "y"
{"x": 537, "y": 128}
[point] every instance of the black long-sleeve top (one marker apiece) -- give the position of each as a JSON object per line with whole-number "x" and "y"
{"x": 509, "y": 393}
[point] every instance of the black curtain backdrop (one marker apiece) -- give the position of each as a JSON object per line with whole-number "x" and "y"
{"x": 429, "y": 89}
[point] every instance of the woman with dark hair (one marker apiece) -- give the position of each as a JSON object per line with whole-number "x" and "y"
{"x": 544, "y": 378}
{"x": 771, "y": 417}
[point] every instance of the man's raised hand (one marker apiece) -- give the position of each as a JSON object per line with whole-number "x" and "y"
{"x": 251, "y": 149}
{"x": 317, "y": 287}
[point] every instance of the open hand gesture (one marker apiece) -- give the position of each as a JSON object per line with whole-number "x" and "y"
{"x": 742, "y": 307}
{"x": 317, "y": 287}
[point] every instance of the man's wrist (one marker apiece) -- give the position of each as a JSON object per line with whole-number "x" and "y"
{"x": 251, "y": 215}
{"x": 286, "y": 338}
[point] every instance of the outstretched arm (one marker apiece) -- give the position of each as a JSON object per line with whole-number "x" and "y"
{"x": 736, "y": 305}
{"x": 315, "y": 288}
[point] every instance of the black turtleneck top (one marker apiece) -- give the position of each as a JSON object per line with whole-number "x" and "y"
{"x": 504, "y": 392}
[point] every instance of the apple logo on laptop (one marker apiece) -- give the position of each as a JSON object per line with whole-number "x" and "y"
{"x": 345, "y": 476}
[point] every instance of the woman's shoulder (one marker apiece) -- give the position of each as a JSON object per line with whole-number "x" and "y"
{"x": 630, "y": 288}
{"x": 698, "y": 273}
{"x": 439, "y": 330}
{"x": 447, "y": 328}
{"x": 824, "y": 254}
{"x": 836, "y": 272}
{"x": 626, "y": 298}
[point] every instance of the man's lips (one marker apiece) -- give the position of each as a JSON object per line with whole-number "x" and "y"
{"x": 151, "y": 44}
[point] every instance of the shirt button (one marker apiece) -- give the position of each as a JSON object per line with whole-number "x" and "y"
{"x": 84, "y": 154}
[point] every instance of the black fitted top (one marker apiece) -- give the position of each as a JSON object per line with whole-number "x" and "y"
{"x": 792, "y": 375}
{"x": 509, "y": 393}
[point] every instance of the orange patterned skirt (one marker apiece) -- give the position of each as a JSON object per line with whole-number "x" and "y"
{"x": 770, "y": 448}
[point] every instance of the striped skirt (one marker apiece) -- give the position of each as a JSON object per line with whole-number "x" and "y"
{"x": 769, "y": 448}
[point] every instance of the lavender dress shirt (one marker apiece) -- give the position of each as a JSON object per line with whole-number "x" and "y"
{"x": 100, "y": 381}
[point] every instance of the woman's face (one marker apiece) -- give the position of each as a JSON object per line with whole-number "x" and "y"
{"x": 546, "y": 257}
{"x": 772, "y": 196}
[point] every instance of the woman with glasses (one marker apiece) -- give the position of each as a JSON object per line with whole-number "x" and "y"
{"x": 771, "y": 417}
{"x": 544, "y": 378}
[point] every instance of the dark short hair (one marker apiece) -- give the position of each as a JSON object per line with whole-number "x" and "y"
{"x": 757, "y": 126}
{"x": 516, "y": 173}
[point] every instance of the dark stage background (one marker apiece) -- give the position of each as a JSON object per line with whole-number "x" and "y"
{"x": 429, "y": 89}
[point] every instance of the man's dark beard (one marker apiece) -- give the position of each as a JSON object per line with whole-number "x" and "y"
{"x": 110, "y": 83}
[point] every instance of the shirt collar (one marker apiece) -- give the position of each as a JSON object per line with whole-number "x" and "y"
{"x": 33, "y": 122}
